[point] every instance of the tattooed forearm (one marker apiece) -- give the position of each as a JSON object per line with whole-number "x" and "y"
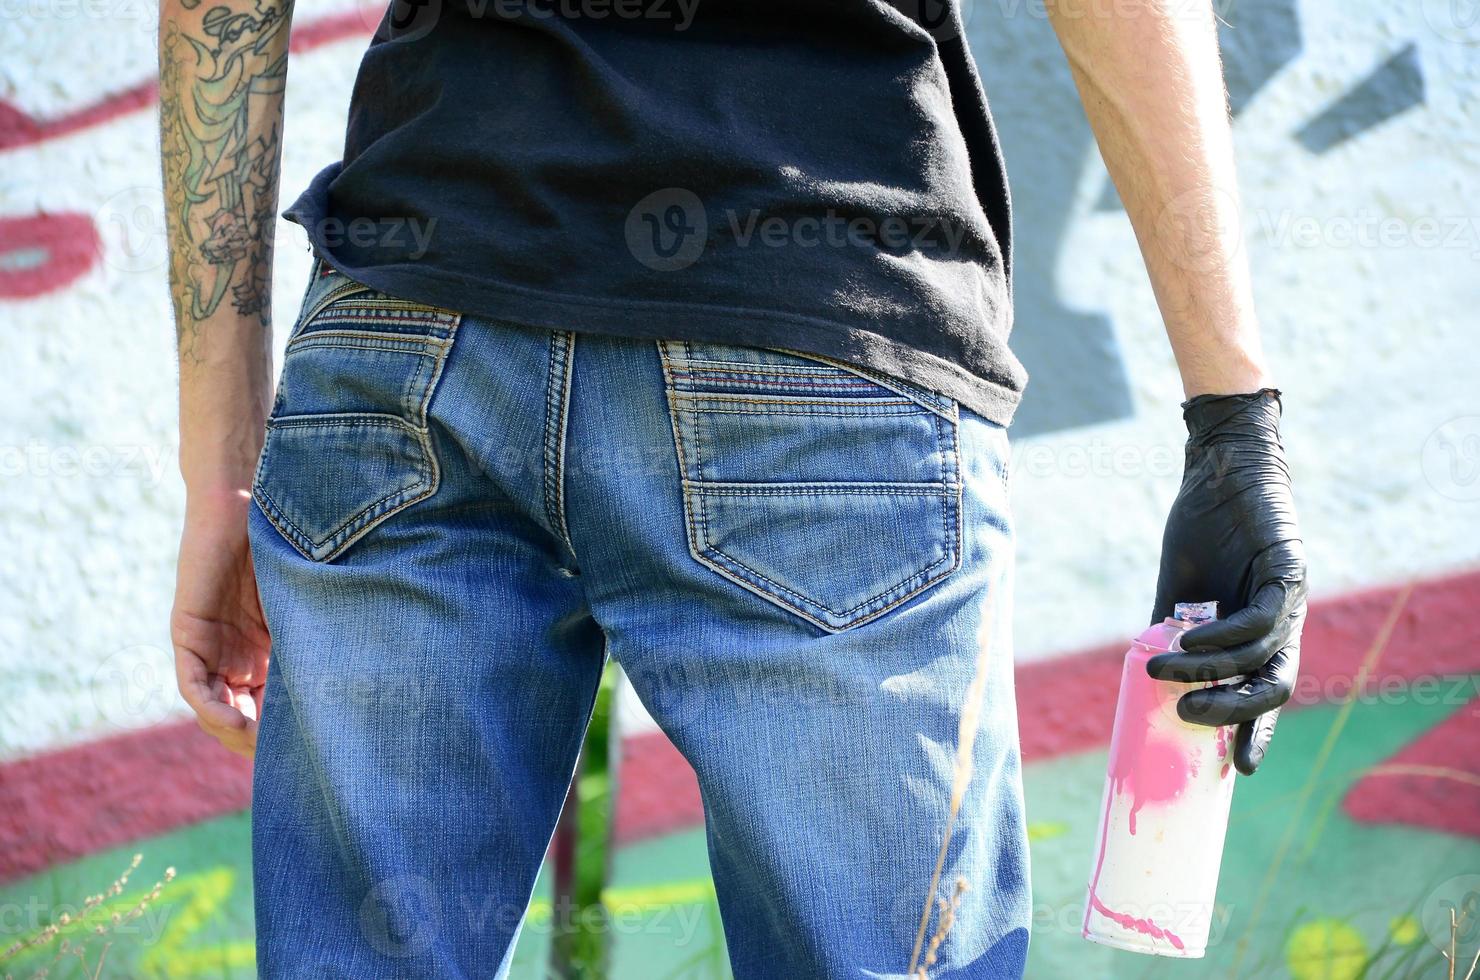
{"x": 223, "y": 71}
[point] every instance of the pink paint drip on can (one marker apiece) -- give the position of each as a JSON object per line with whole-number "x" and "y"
{"x": 1164, "y": 812}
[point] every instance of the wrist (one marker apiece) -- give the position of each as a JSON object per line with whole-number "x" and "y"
{"x": 217, "y": 480}
{"x": 219, "y": 459}
{"x": 204, "y": 500}
{"x": 1231, "y": 376}
{"x": 1269, "y": 395}
{"x": 1237, "y": 416}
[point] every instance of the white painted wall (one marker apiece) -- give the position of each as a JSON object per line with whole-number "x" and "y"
{"x": 1375, "y": 344}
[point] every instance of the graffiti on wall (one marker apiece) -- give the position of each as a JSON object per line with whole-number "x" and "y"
{"x": 1399, "y": 778}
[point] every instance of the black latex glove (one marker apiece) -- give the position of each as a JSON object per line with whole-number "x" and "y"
{"x": 1232, "y": 536}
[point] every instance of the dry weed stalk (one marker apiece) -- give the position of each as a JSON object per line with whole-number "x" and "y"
{"x": 1453, "y": 949}
{"x": 965, "y": 741}
{"x": 89, "y": 926}
{"x": 942, "y": 926}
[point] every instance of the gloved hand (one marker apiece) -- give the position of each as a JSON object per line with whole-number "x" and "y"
{"x": 1232, "y": 536}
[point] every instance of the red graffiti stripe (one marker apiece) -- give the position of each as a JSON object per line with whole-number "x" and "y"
{"x": 1067, "y": 704}
{"x": 42, "y": 253}
{"x": 19, "y": 129}
{"x": 1434, "y": 781}
{"x": 65, "y": 804}
{"x": 657, "y": 792}
{"x": 45, "y": 252}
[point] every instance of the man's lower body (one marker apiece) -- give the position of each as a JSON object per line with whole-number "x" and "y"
{"x": 800, "y": 566}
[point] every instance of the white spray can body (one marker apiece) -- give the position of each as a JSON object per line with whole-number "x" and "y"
{"x": 1164, "y": 812}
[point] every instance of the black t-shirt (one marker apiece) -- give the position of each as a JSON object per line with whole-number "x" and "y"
{"x": 821, "y": 175}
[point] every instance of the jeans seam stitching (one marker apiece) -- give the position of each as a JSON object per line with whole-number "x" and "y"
{"x": 424, "y": 488}
{"x": 343, "y": 420}
{"x": 281, "y": 519}
{"x": 557, "y": 403}
{"x": 312, "y": 344}
{"x": 811, "y": 490}
{"x": 413, "y": 408}
{"x": 675, "y": 421}
{"x": 438, "y": 364}
{"x": 736, "y": 570}
{"x": 704, "y": 536}
{"x": 922, "y": 397}
{"x": 904, "y": 583}
{"x": 822, "y": 402}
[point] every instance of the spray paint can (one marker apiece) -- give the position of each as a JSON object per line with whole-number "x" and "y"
{"x": 1164, "y": 813}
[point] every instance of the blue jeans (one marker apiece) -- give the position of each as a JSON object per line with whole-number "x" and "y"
{"x": 796, "y": 563}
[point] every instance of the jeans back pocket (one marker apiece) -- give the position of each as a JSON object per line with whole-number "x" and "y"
{"x": 347, "y": 442}
{"x": 831, "y": 491}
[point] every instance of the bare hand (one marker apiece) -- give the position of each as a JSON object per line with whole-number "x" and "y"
{"x": 217, "y": 628}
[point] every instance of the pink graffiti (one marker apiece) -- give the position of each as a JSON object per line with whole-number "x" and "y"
{"x": 1144, "y": 767}
{"x": 1122, "y": 919}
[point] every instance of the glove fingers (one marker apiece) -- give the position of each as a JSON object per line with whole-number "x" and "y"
{"x": 1230, "y": 704}
{"x": 1270, "y": 606}
{"x": 1217, "y": 665}
{"x": 1252, "y": 741}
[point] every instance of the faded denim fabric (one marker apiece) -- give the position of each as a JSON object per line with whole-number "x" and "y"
{"x": 795, "y": 561}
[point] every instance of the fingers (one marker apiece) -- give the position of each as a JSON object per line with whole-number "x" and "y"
{"x": 239, "y": 741}
{"x": 1271, "y": 605}
{"x": 216, "y": 704}
{"x": 1239, "y": 644}
{"x": 1262, "y": 691}
{"x": 1221, "y": 664}
{"x": 200, "y": 689}
{"x": 1252, "y": 741}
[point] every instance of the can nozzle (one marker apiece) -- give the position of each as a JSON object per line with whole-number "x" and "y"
{"x": 1195, "y": 613}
